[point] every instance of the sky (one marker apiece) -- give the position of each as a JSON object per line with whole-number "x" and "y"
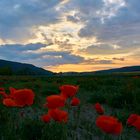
{"x": 71, "y": 35}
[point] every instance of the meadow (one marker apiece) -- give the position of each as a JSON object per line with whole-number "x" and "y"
{"x": 118, "y": 94}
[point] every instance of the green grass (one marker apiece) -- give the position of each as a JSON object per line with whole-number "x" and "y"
{"x": 119, "y": 95}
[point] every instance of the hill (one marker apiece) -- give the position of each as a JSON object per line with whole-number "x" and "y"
{"x": 119, "y": 70}
{"x": 16, "y": 68}
{"x": 109, "y": 71}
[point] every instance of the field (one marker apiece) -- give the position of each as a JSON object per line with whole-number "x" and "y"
{"x": 118, "y": 94}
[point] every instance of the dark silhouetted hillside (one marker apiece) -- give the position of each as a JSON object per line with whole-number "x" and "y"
{"x": 109, "y": 71}
{"x": 123, "y": 69}
{"x": 16, "y": 68}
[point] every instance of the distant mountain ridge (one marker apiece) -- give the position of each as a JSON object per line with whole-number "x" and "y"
{"x": 123, "y": 69}
{"x": 22, "y": 68}
{"x": 109, "y": 71}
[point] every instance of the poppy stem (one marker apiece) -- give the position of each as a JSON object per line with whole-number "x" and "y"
{"x": 76, "y": 115}
{"x": 120, "y": 137}
{"x": 105, "y": 136}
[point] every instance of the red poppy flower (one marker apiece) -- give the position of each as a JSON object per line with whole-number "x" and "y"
{"x": 99, "y": 109}
{"x": 12, "y": 91}
{"x": 75, "y": 101}
{"x": 109, "y": 124}
{"x": 58, "y": 115}
{"x": 23, "y": 97}
{"x": 134, "y": 120}
{"x": 68, "y": 90}
{"x": 46, "y": 118}
{"x": 137, "y": 124}
{"x": 4, "y": 94}
{"x": 55, "y": 101}
{"x": 9, "y": 102}
{"x": 18, "y": 98}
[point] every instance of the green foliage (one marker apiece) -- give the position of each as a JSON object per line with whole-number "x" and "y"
{"x": 31, "y": 129}
{"x": 54, "y": 131}
{"x": 97, "y": 97}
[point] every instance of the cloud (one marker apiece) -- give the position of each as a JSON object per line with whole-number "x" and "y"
{"x": 18, "y": 17}
{"x": 105, "y": 60}
{"x": 89, "y": 10}
{"x": 72, "y": 18}
{"x": 86, "y": 7}
{"x": 107, "y": 49}
{"x": 30, "y": 53}
{"x": 20, "y": 47}
{"x": 120, "y": 59}
{"x": 136, "y": 55}
{"x": 110, "y": 9}
{"x": 122, "y": 28}
{"x": 96, "y": 61}
{"x": 58, "y": 58}
{"x": 19, "y": 52}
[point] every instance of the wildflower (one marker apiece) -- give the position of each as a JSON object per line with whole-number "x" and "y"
{"x": 55, "y": 101}
{"x": 109, "y": 124}
{"x": 75, "y": 101}
{"x": 9, "y": 102}
{"x": 99, "y": 109}
{"x": 3, "y": 94}
{"x": 134, "y": 120}
{"x": 136, "y": 124}
{"x": 58, "y": 115}
{"x": 23, "y": 97}
{"x": 68, "y": 90}
{"x": 18, "y": 98}
{"x": 46, "y": 118}
{"x": 12, "y": 91}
